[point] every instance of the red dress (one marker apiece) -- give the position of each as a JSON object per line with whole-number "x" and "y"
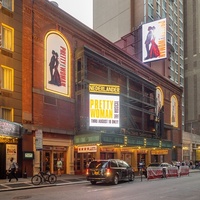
{"x": 154, "y": 50}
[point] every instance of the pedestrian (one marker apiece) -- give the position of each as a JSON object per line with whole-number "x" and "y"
{"x": 178, "y": 164}
{"x": 59, "y": 166}
{"x": 13, "y": 170}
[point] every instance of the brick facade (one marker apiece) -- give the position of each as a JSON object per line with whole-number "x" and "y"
{"x": 56, "y": 114}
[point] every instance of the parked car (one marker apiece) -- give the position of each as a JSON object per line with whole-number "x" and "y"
{"x": 112, "y": 170}
{"x": 163, "y": 165}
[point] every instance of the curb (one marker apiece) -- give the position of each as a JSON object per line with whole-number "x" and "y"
{"x": 41, "y": 186}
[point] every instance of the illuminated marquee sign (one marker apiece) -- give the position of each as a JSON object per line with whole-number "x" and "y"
{"x": 104, "y": 110}
{"x": 106, "y": 89}
{"x": 85, "y": 149}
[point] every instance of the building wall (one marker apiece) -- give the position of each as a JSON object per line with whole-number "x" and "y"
{"x": 43, "y": 109}
{"x": 13, "y": 59}
{"x": 192, "y": 73}
{"x": 11, "y": 99}
{"x": 111, "y": 18}
{"x": 53, "y": 113}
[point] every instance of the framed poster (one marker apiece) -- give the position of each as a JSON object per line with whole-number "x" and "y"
{"x": 11, "y": 152}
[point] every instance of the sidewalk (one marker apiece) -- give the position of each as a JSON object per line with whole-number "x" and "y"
{"x": 25, "y": 183}
{"x": 65, "y": 179}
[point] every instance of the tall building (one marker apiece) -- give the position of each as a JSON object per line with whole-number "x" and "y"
{"x": 10, "y": 82}
{"x": 192, "y": 73}
{"x": 130, "y": 15}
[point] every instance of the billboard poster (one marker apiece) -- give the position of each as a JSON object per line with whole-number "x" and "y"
{"x": 57, "y": 64}
{"x": 154, "y": 41}
{"x": 174, "y": 111}
{"x": 104, "y": 110}
{"x": 11, "y": 152}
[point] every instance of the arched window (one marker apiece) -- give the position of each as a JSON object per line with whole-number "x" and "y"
{"x": 159, "y": 100}
{"x": 174, "y": 111}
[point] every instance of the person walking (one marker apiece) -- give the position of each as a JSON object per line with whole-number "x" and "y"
{"x": 13, "y": 170}
{"x": 59, "y": 166}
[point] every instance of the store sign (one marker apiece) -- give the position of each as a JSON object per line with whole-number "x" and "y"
{"x": 142, "y": 151}
{"x": 85, "y": 149}
{"x": 107, "y": 150}
{"x": 38, "y": 140}
{"x": 159, "y": 152}
{"x": 28, "y": 155}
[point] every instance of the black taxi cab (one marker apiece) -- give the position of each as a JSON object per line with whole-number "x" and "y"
{"x": 109, "y": 171}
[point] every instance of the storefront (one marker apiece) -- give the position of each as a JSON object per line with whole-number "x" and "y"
{"x": 107, "y": 146}
{"x": 10, "y": 145}
{"x": 52, "y": 148}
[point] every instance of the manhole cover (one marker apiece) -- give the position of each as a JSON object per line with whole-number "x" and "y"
{"x": 22, "y": 197}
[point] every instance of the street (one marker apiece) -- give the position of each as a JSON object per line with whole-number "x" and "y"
{"x": 185, "y": 187}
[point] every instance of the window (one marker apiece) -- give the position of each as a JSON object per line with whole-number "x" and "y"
{"x": 7, "y": 38}
{"x": 7, "y": 113}
{"x": 9, "y": 4}
{"x": 7, "y": 78}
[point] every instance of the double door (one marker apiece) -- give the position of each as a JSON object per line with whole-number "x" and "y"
{"x": 50, "y": 159}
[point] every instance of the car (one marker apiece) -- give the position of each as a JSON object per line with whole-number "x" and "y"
{"x": 109, "y": 171}
{"x": 162, "y": 165}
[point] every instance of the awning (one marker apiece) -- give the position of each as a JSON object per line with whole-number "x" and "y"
{"x": 10, "y": 129}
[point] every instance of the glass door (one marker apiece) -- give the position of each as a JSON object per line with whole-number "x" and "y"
{"x": 61, "y": 156}
{"x": 46, "y": 161}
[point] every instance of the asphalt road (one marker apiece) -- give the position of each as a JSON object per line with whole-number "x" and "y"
{"x": 186, "y": 187}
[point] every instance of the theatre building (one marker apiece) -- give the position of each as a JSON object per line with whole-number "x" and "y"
{"x": 84, "y": 97}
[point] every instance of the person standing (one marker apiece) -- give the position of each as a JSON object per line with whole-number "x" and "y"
{"x": 59, "y": 166}
{"x": 13, "y": 170}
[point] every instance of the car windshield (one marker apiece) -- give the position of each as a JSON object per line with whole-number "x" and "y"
{"x": 98, "y": 164}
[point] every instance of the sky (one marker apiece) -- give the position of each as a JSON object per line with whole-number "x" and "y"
{"x": 80, "y": 9}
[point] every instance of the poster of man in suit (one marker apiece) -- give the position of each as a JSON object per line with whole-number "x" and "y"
{"x": 57, "y": 64}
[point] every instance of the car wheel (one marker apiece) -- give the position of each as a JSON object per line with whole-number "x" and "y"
{"x": 115, "y": 180}
{"x": 132, "y": 177}
{"x": 93, "y": 182}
